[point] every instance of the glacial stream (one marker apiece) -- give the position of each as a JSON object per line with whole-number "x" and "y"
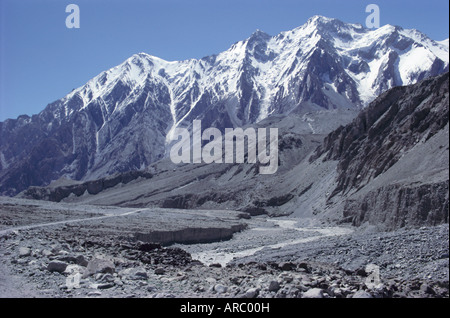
{"x": 262, "y": 234}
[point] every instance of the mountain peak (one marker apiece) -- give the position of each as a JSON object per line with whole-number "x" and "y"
{"x": 332, "y": 25}
{"x": 258, "y": 34}
{"x": 142, "y": 56}
{"x": 319, "y": 19}
{"x": 393, "y": 28}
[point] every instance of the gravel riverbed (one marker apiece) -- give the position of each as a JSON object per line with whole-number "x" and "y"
{"x": 271, "y": 258}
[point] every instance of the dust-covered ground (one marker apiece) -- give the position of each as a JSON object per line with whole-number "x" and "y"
{"x": 63, "y": 250}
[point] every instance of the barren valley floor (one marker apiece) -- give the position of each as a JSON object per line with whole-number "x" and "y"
{"x": 63, "y": 250}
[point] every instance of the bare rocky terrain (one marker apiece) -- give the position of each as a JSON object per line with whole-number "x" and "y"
{"x": 64, "y": 250}
{"x": 360, "y": 212}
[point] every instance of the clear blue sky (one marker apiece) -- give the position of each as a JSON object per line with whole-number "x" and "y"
{"x": 41, "y": 60}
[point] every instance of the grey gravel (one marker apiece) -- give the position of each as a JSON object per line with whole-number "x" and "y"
{"x": 99, "y": 263}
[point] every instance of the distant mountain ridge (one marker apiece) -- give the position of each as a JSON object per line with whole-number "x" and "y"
{"x": 123, "y": 119}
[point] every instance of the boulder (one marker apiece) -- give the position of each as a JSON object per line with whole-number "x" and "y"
{"x": 98, "y": 265}
{"x": 220, "y": 289}
{"x": 57, "y": 266}
{"x": 251, "y": 293}
{"x": 137, "y": 273}
{"x": 24, "y": 252}
{"x": 313, "y": 293}
{"x": 287, "y": 266}
{"x": 80, "y": 260}
{"x": 274, "y": 286}
{"x": 47, "y": 253}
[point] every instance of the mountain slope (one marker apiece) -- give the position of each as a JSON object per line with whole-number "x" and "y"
{"x": 384, "y": 132}
{"x": 388, "y": 167}
{"x": 395, "y": 173}
{"x": 124, "y": 118}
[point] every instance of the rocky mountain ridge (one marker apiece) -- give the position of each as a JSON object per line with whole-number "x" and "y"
{"x": 124, "y": 118}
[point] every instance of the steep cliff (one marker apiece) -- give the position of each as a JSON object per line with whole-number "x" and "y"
{"x": 393, "y": 158}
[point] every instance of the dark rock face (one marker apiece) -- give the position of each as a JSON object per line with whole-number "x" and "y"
{"x": 77, "y": 146}
{"x": 189, "y": 235}
{"x": 397, "y": 206}
{"x": 91, "y": 187}
{"x": 397, "y": 123}
{"x": 390, "y": 126}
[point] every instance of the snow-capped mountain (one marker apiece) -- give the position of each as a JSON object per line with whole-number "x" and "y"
{"x": 123, "y": 119}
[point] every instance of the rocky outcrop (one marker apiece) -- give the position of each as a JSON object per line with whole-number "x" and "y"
{"x": 399, "y": 205}
{"x": 380, "y": 135}
{"x": 190, "y": 235}
{"x": 392, "y": 165}
{"x": 39, "y": 149}
{"x": 57, "y": 194}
